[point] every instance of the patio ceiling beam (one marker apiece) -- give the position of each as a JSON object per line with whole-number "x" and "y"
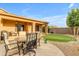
{"x": 25, "y": 19}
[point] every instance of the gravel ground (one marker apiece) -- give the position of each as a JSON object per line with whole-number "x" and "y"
{"x": 68, "y": 48}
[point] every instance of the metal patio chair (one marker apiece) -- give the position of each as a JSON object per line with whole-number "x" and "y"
{"x": 9, "y": 45}
{"x": 31, "y": 44}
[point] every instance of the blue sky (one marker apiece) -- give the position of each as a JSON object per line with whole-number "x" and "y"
{"x": 54, "y": 13}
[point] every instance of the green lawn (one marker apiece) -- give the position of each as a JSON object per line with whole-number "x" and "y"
{"x": 58, "y": 37}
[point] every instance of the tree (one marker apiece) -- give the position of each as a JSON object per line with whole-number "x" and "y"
{"x": 73, "y": 20}
{"x": 77, "y": 20}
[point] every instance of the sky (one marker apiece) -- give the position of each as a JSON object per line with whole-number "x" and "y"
{"x": 54, "y": 13}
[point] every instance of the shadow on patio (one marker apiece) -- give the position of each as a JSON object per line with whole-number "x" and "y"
{"x": 43, "y": 50}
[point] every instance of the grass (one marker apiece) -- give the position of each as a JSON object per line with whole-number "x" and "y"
{"x": 58, "y": 37}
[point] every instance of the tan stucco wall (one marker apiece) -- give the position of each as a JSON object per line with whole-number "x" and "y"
{"x": 0, "y": 23}
{"x": 29, "y": 28}
{"x": 9, "y": 25}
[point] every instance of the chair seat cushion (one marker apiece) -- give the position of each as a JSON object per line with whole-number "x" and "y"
{"x": 13, "y": 46}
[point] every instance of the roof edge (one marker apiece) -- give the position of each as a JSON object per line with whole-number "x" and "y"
{"x": 13, "y": 15}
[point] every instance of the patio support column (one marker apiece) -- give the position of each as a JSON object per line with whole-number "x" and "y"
{"x": 46, "y": 28}
{"x": 0, "y": 27}
{"x": 33, "y": 27}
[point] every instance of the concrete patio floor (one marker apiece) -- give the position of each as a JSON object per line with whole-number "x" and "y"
{"x": 43, "y": 50}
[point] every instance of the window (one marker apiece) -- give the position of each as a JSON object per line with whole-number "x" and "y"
{"x": 37, "y": 28}
{"x": 20, "y": 27}
{"x": 43, "y": 29}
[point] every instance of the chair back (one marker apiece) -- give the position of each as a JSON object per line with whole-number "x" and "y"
{"x": 4, "y": 36}
{"x": 31, "y": 36}
{"x": 39, "y": 35}
{"x": 22, "y": 35}
{"x": 31, "y": 40}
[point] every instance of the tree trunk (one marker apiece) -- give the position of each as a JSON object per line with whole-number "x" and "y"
{"x": 77, "y": 31}
{"x": 74, "y": 32}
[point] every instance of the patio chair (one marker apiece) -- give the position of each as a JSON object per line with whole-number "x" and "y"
{"x": 13, "y": 33}
{"x": 32, "y": 39}
{"x": 31, "y": 43}
{"x": 22, "y": 35}
{"x": 39, "y": 37}
{"x": 9, "y": 45}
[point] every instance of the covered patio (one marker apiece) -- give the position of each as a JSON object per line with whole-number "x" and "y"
{"x": 13, "y": 28}
{"x": 13, "y": 24}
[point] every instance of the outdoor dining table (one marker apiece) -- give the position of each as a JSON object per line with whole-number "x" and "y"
{"x": 17, "y": 39}
{"x": 20, "y": 39}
